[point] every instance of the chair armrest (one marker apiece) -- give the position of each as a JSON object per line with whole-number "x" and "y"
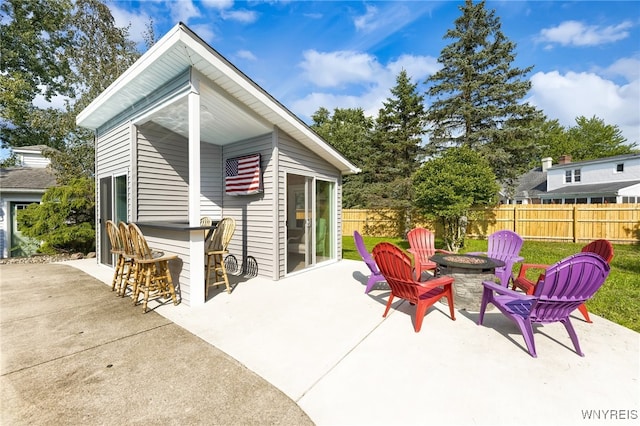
{"x": 435, "y": 282}
{"x": 526, "y": 266}
{"x": 498, "y": 288}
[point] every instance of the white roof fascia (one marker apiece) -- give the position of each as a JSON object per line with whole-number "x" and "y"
{"x": 152, "y": 55}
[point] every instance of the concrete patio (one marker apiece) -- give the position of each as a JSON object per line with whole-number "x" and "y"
{"x": 323, "y": 342}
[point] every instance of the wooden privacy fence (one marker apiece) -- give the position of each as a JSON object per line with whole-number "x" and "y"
{"x": 618, "y": 223}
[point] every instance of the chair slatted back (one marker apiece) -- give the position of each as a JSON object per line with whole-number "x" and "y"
{"x": 422, "y": 241}
{"x": 395, "y": 266}
{"x": 117, "y": 245}
{"x": 567, "y": 284}
{"x": 603, "y": 248}
{"x": 364, "y": 254}
{"x": 222, "y": 235}
{"x": 504, "y": 245}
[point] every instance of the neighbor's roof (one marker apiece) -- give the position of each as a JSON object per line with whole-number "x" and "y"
{"x": 531, "y": 184}
{"x": 239, "y": 105}
{"x": 615, "y": 158}
{"x": 26, "y": 179}
{"x": 596, "y": 188}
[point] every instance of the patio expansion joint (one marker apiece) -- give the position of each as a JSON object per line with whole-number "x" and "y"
{"x": 297, "y": 400}
{"x": 8, "y": 373}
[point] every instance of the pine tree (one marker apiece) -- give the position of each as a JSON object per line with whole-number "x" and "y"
{"x": 478, "y": 92}
{"x": 397, "y": 150}
{"x": 349, "y": 132}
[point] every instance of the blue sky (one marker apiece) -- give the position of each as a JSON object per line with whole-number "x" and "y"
{"x": 311, "y": 54}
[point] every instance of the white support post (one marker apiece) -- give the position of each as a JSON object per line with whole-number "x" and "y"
{"x": 196, "y": 244}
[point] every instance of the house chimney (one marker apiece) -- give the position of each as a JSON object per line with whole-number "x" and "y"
{"x": 546, "y": 163}
{"x": 564, "y": 159}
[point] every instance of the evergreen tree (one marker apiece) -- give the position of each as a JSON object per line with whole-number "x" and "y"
{"x": 477, "y": 95}
{"x": 349, "y": 132}
{"x": 397, "y": 150}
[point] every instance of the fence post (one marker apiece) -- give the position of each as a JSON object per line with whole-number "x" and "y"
{"x": 575, "y": 223}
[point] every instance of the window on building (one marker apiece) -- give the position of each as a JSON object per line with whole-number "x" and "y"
{"x": 596, "y": 200}
{"x": 567, "y": 176}
{"x": 620, "y": 168}
{"x": 569, "y": 200}
{"x": 630, "y": 200}
{"x": 610, "y": 200}
{"x": 576, "y": 175}
{"x": 581, "y": 201}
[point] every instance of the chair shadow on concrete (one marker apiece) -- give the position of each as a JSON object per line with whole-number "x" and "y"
{"x": 364, "y": 279}
{"x": 508, "y": 329}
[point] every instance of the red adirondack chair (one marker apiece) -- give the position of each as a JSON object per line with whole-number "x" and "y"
{"x": 603, "y": 248}
{"x": 395, "y": 266}
{"x": 422, "y": 247}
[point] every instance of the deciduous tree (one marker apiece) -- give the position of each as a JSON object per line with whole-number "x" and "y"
{"x": 448, "y": 186}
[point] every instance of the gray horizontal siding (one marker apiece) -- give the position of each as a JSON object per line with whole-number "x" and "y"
{"x": 211, "y": 180}
{"x": 113, "y": 157}
{"x": 253, "y": 213}
{"x": 163, "y": 174}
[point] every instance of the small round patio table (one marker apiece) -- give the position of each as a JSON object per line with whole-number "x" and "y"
{"x": 468, "y": 272}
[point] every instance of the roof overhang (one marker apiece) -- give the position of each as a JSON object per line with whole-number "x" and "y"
{"x": 611, "y": 188}
{"x": 233, "y": 107}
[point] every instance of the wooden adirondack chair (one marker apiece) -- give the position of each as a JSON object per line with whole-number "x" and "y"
{"x": 565, "y": 285}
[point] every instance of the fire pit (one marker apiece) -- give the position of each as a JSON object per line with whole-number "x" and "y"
{"x": 468, "y": 272}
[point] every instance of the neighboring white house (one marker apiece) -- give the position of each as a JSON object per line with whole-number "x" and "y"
{"x": 20, "y": 186}
{"x": 605, "y": 180}
{"x": 170, "y": 134}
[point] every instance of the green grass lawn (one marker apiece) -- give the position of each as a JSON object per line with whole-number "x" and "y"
{"x": 618, "y": 300}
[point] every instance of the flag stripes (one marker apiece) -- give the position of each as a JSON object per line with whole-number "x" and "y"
{"x": 243, "y": 175}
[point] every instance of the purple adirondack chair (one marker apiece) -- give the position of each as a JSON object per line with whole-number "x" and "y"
{"x": 565, "y": 285}
{"x": 504, "y": 245}
{"x": 376, "y": 276}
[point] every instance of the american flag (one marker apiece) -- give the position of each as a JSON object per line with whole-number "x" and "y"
{"x": 243, "y": 176}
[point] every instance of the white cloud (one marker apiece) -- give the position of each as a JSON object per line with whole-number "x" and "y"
{"x": 367, "y": 21}
{"x": 574, "y": 33}
{"x": 246, "y": 54}
{"x": 183, "y": 11}
{"x": 243, "y": 16}
{"x": 218, "y": 4}
{"x": 204, "y": 31}
{"x": 566, "y": 97}
{"x": 124, "y": 18}
{"x": 57, "y": 102}
{"x": 332, "y": 69}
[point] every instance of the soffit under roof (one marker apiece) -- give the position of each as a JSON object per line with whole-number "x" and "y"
{"x": 233, "y": 107}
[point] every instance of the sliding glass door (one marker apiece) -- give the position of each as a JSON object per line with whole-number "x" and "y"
{"x": 310, "y": 221}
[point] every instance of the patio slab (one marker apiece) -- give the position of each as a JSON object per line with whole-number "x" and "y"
{"x": 319, "y": 339}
